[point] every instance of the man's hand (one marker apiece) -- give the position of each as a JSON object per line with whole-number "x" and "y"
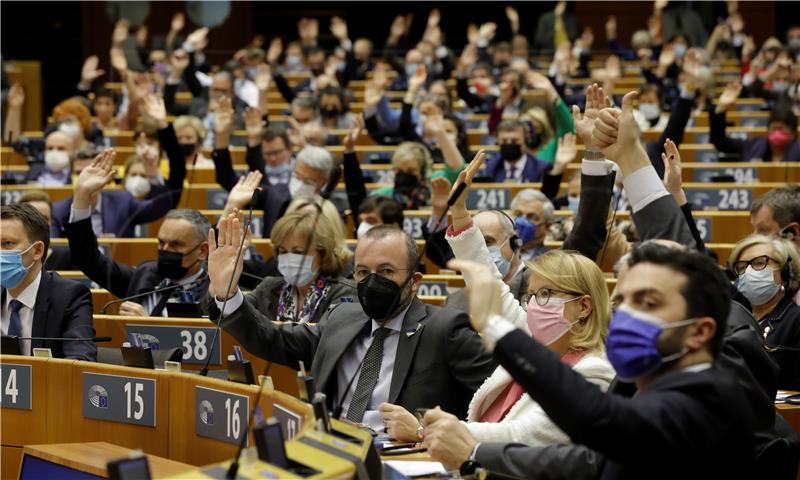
{"x": 611, "y": 28}
{"x": 459, "y": 209}
{"x": 440, "y": 192}
{"x": 540, "y": 82}
{"x": 616, "y": 133}
{"x": 120, "y": 33}
{"x": 373, "y": 91}
{"x": 400, "y": 423}
{"x": 308, "y": 30}
{"x": 434, "y": 125}
{"x": 398, "y": 28}
{"x": 198, "y": 39}
{"x": 263, "y": 78}
{"x": 487, "y": 31}
{"x": 178, "y": 22}
{"x": 673, "y": 172}
{"x": 153, "y": 109}
{"x": 254, "y": 124}
{"x": 16, "y": 97}
{"x": 728, "y": 97}
{"x": 447, "y": 439}
{"x": 339, "y": 29}
{"x": 468, "y": 58}
{"x": 93, "y": 178}
{"x": 90, "y": 72}
{"x": 275, "y": 50}
{"x": 416, "y": 81}
{"x": 131, "y": 309}
{"x": 222, "y": 263}
{"x": 242, "y": 192}
{"x": 565, "y": 153}
{"x": 484, "y": 292}
{"x": 118, "y": 61}
{"x": 224, "y": 117}
{"x": 584, "y": 123}
{"x": 355, "y": 132}
{"x": 513, "y": 18}
{"x": 149, "y": 157}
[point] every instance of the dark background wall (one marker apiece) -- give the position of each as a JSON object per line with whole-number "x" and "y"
{"x": 61, "y": 34}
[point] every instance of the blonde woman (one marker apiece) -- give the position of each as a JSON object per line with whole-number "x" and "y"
{"x": 191, "y": 133}
{"x": 768, "y": 276}
{"x": 310, "y": 281}
{"x": 310, "y": 206}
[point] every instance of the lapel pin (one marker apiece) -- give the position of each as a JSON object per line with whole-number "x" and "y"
{"x": 412, "y": 332}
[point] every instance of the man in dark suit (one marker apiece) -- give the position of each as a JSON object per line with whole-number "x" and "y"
{"x": 35, "y": 302}
{"x": 388, "y": 348}
{"x": 514, "y": 163}
{"x": 182, "y": 252}
{"x": 689, "y": 417}
{"x": 114, "y": 212}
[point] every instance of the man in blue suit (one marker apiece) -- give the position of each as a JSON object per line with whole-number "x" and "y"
{"x": 114, "y": 212}
{"x": 515, "y": 163}
{"x": 35, "y": 302}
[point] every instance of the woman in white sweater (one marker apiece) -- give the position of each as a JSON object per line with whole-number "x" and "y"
{"x": 567, "y": 310}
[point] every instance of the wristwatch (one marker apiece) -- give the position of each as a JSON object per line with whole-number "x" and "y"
{"x": 593, "y": 155}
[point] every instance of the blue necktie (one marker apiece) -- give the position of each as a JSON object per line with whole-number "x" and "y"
{"x": 15, "y": 325}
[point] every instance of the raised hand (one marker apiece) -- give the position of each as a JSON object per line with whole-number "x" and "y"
{"x": 198, "y": 39}
{"x": 565, "y": 153}
{"x": 667, "y": 57}
{"x": 541, "y": 82}
{"x": 434, "y": 124}
{"x": 584, "y": 123}
{"x": 484, "y": 291}
{"x": 120, "y": 33}
{"x": 561, "y": 7}
{"x": 118, "y": 61}
{"x": 611, "y": 27}
{"x": 16, "y": 96}
{"x": 224, "y": 116}
{"x": 178, "y": 22}
{"x": 355, "y": 132}
{"x": 295, "y": 133}
{"x": 398, "y": 28}
{"x": 152, "y": 108}
{"x": 459, "y": 208}
{"x": 149, "y": 156}
{"x": 513, "y": 18}
{"x": 275, "y": 50}
{"x": 440, "y": 192}
{"x": 242, "y": 192}
{"x": 418, "y": 79}
{"x": 472, "y": 34}
{"x": 339, "y": 28}
{"x": 308, "y": 30}
{"x": 728, "y": 97}
{"x": 487, "y": 31}
{"x": 94, "y": 177}
{"x": 89, "y": 71}
{"x": 673, "y": 171}
{"x": 468, "y": 58}
{"x": 254, "y": 123}
{"x": 373, "y": 91}
{"x": 617, "y": 135}
{"x": 222, "y": 264}
{"x": 263, "y": 77}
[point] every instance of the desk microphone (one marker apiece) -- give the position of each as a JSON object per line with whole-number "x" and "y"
{"x": 139, "y": 295}
{"x": 253, "y": 200}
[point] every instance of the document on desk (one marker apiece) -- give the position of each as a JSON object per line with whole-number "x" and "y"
{"x": 414, "y": 468}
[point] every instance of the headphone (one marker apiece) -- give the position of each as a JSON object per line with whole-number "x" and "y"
{"x": 513, "y": 241}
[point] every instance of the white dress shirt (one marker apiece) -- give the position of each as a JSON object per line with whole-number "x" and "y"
{"x": 78, "y": 214}
{"x": 28, "y": 300}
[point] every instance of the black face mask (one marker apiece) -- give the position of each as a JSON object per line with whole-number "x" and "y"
{"x": 405, "y": 181}
{"x": 330, "y": 112}
{"x": 317, "y": 71}
{"x": 378, "y": 296}
{"x": 187, "y": 148}
{"x": 510, "y": 151}
{"x": 170, "y": 264}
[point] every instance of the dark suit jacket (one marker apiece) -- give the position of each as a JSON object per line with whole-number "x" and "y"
{"x": 63, "y": 310}
{"x": 120, "y": 210}
{"x": 120, "y": 279}
{"x": 442, "y": 363}
{"x": 684, "y": 425}
{"x": 273, "y": 199}
{"x": 534, "y": 170}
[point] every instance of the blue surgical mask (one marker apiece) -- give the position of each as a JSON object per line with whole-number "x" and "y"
{"x": 680, "y": 50}
{"x": 411, "y": 69}
{"x": 757, "y": 286}
{"x": 574, "y": 203}
{"x": 12, "y": 271}
{"x": 281, "y": 169}
{"x": 501, "y": 263}
{"x": 632, "y": 342}
{"x": 526, "y": 230}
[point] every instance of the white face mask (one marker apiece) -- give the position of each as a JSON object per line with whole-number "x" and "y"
{"x": 137, "y": 186}
{"x": 297, "y": 270}
{"x": 71, "y": 129}
{"x": 650, "y": 111}
{"x": 56, "y": 160}
{"x": 363, "y": 228}
{"x": 757, "y": 286}
{"x": 299, "y": 188}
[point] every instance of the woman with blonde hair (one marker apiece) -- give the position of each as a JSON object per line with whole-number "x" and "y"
{"x": 767, "y": 273}
{"x": 311, "y": 206}
{"x": 191, "y": 133}
{"x": 310, "y": 281}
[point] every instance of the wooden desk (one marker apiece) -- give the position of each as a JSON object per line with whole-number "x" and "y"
{"x": 92, "y": 457}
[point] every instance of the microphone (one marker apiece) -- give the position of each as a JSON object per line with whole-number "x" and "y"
{"x": 253, "y": 201}
{"x": 139, "y": 295}
{"x": 234, "y": 467}
{"x": 333, "y": 180}
{"x": 63, "y": 339}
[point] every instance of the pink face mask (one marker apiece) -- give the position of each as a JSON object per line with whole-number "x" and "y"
{"x": 778, "y": 139}
{"x": 546, "y": 322}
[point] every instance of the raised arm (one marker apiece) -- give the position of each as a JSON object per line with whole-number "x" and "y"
{"x": 353, "y": 176}
{"x": 717, "y": 127}
{"x": 13, "y": 121}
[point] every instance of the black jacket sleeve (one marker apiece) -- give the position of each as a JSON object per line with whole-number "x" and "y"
{"x": 177, "y": 162}
{"x": 104, "y": 271}
{"x": 552, "y": 462}
{"x": 719, "y": 138}
{"x": 255, "y": 158}
{"x": 406, "y": 127}
{"x": 225, "y": 175}
{"x": 551, "y": 184}
{"x": 686, "y": 209}
{"x": 354, "y": 184}
{"x": 589, "y": 231}
{"x": 472, "y": 100}
{"x": 678, "y": 119}
{"x": 171, "y": 105}
{"x": 283, "y": 86}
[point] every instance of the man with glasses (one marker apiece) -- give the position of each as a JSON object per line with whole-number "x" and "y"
{"x": 534, "y": 214}
{"x": 389, "y": 347}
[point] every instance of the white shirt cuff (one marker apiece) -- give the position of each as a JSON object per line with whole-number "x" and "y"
{"x": 643, "y": 187}
{"x": 78, "y": 214}
{"x": 233, "y": 303}
{"x": 597, "y": 168}
{"x": 496, "y": 328}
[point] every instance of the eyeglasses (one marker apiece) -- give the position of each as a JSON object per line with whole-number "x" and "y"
{"x": 543, "y": 295}
{"x": 385, "y": 272}
{"x": 758, "y": 264}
